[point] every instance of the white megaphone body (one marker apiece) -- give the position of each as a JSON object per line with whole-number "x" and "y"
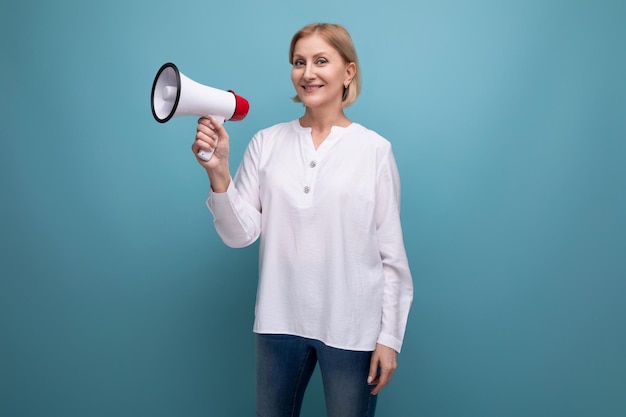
{"x": 173, "y": 95}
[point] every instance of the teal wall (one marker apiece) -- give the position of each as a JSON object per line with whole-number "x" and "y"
{"x": 508, "y": 120}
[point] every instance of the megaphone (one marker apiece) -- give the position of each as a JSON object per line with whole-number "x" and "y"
{"x": 174, "y": 95}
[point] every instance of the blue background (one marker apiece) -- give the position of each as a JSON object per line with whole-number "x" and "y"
{"x": 508, "y": 120}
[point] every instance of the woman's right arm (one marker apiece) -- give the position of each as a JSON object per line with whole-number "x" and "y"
{"x": 235, "y": 204}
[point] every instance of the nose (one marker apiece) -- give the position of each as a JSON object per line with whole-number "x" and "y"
{"x": 309, "y": 74}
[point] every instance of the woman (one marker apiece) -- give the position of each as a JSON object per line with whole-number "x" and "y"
{"x": 322, "y": 193}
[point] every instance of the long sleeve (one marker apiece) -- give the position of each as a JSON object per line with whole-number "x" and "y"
{"x": 237, "y": 212}
{"x": 398, "y": 283}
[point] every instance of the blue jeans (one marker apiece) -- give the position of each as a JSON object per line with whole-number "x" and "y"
{"x": 284, "y": 365}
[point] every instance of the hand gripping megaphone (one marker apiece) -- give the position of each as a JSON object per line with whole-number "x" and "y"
{"x": 173, "y": 95}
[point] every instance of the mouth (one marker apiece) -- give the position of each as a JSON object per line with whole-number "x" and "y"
{"x": 311, "y": 88}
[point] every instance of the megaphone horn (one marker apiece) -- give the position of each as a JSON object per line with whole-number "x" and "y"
{"x": 173, "y": 94}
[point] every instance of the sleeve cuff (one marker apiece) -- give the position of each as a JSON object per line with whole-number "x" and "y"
{"x": 390, "y": 341}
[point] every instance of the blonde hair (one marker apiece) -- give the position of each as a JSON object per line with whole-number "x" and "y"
{"x": 339, "y": 38}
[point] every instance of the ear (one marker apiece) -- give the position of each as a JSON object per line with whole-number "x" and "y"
{"x": 350, "y": 72}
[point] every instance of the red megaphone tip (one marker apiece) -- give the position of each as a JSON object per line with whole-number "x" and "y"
{"x": 241, "y": 107}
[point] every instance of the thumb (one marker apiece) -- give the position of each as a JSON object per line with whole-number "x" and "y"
{"x": 373, "y": 373}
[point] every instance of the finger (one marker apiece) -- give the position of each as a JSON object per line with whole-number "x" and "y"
{"x": 205, "y": 141}
{"x": 205, "y": 121}
{"x": 207, "y": 135}
{"x": 206, "y": 128}
{"x": 219, "y": 128}
{"x": 382, "y": 381}
{"x": 373, "y": 372}
{"x": 201, "y": 145}
{"x": 198, "y": 145}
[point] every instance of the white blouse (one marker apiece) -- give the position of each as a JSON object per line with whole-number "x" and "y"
{"x": 332, "y": 261}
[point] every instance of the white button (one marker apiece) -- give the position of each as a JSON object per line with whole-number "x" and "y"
{"x": 313, "y": 164}
{"x": 307, "y": 189}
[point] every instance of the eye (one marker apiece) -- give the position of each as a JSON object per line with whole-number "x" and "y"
{"x": 298, "y": 62}
{"x": 321, "y": 61}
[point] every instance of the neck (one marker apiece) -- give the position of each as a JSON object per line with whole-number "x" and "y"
{"x": 323, "y": 121}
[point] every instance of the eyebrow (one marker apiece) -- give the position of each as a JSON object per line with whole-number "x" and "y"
{"x": 316, "y": 55}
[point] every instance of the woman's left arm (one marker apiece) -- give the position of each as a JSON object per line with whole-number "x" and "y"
{"x": 398, "y": 282}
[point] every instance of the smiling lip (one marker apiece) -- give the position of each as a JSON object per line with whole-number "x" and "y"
{"x": 310, "y": 88}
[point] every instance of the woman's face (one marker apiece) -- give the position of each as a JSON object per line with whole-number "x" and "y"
{"x": 319, "y": 72}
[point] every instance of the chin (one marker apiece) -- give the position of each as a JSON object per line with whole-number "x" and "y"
{"x": 312, "y": 102}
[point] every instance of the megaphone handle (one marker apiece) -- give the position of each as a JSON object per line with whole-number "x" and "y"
{"x": 206, "y": 155}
